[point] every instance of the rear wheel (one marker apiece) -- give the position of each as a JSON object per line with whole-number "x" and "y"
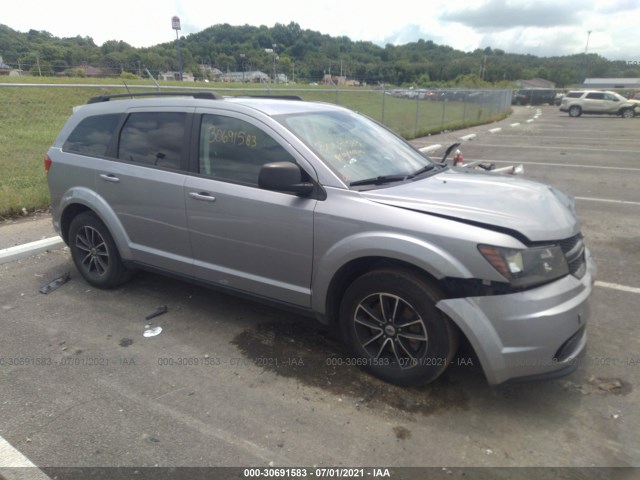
{"x": 575, "y": 111}
{"x": 94, "y": 252}
{"x": 390, "y": 322}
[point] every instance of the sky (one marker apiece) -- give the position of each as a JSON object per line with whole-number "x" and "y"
{"x": 537, "y": 27}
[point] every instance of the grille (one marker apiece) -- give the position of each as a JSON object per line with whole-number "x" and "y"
{"x": 574, "y": 252}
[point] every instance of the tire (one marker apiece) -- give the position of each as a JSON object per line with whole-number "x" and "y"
{"x": 628, "y": 113}
{"x": 94, "y": 252}
{"x": 575, "y": 111}
{"x": 391, "y": 324}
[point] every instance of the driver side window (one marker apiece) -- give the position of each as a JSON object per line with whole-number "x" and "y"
{"x": 235, "y": 150}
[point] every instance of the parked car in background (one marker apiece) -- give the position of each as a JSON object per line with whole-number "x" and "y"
{"x": 558, "y": 99}
{"x": 316, "y": 208}
{"x": 533, "y": 96}
{"x": 596, "y": 102}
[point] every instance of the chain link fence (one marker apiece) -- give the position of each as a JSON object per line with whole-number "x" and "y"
{"x": 31, "y": 116}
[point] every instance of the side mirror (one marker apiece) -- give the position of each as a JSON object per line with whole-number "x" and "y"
{"x": 283, "y": 177}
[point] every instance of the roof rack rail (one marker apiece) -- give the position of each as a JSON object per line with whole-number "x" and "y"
{"x": 275, "y": 97}
{"x": 203, "y": 95}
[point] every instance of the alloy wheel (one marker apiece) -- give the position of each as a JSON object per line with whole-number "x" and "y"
{"x": 389, "y": 328}
{"x": 95, "y": 254}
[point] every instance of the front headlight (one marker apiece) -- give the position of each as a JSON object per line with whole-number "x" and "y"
{"x": 529, "y": 267}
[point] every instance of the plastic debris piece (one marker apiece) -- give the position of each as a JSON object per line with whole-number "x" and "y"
{"x": 55, "y": 283}
{"x": 152, "y": 332}
{"x": 162, "y": 309}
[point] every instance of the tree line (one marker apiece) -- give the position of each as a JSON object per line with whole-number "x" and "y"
{"x": 303, "y": 56}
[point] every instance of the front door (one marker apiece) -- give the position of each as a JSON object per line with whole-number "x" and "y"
{"x": 242, "y": 236}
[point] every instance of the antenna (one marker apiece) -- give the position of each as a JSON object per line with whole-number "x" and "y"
{"x": 151, "y": 77}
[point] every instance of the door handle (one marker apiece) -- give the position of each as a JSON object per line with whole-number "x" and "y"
{"x": 203, "y": 196}
{"x": 109, "y": 178}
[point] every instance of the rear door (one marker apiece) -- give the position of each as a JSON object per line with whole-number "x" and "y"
{"x": 144, "y": 185}
{"x": 242, "y": 236}
{"x": 594, "y": 102}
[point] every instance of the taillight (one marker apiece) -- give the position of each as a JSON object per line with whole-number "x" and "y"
{"x": 47, "y": 163}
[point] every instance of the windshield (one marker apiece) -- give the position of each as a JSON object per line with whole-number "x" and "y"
{"x": 355, "y": 148}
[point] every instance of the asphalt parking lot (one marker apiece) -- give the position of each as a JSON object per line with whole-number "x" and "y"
{"x": 227, "y": 382}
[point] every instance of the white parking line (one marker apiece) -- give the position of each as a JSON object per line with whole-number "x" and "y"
{"x": 14, "y": 465}
{"x": 616, "y": 286}
{"x": 28, "y": 249}
{"x": 554, "y": 147}
{"x": 607, "y": 200}
{"x": 431, "y": 148}
{"x": 570, "y": 165}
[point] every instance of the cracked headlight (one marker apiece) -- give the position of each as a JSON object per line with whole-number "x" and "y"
{"x": 529, "y": 267}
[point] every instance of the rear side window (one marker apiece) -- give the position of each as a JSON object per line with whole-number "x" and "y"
{"x": 153, "y": 138}
{"x": 595, "y": 95}
{"x": 92, "y": 135}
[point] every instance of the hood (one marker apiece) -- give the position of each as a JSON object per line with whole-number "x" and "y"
{"x": 539, "y": 212}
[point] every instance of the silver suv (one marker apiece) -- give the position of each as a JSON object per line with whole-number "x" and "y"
{"x": 315, "y": 207}
{"x": 598, "y": 103}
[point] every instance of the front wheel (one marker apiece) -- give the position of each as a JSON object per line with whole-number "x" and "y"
{"x": 94, "y": 252}
{"x": 628, "y": 113}
{"x": 392, "y": 326}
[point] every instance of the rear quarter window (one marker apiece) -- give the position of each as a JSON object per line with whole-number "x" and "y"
{"x": 574, "y": 94}
{"x": 92, "y": 135}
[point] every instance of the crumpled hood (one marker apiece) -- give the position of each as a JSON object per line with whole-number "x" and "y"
{"x": 537, "y": 211}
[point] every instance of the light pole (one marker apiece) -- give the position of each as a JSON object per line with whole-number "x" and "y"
{"x": 586, "y": 58}
{"x": 242, "y": 57}
{"x": 175, "y": 24}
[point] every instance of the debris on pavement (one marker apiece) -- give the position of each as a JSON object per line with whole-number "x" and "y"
{"x": 152, "y": 332}
{"x": 597, "y": 385}
{"x": 161, "y": 310}
{"x": 55, "y": 283}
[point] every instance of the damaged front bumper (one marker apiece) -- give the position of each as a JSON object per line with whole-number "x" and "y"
{"x": 535, "y": 333}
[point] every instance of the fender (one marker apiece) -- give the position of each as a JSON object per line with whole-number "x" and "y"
{"x": 98, "y": 205}
{"x": 405, "y": 248}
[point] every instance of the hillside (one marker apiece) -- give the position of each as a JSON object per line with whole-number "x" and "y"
{"x": 303, "y": 55}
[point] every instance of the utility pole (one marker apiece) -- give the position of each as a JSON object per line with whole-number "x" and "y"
{"x": 275, "y": 59}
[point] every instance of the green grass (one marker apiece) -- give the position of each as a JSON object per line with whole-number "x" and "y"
{"x": 31, "y": 117}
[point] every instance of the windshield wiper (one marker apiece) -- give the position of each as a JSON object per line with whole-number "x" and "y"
{"x": 426, "y": 168}
{"x": 379, "y": 180}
